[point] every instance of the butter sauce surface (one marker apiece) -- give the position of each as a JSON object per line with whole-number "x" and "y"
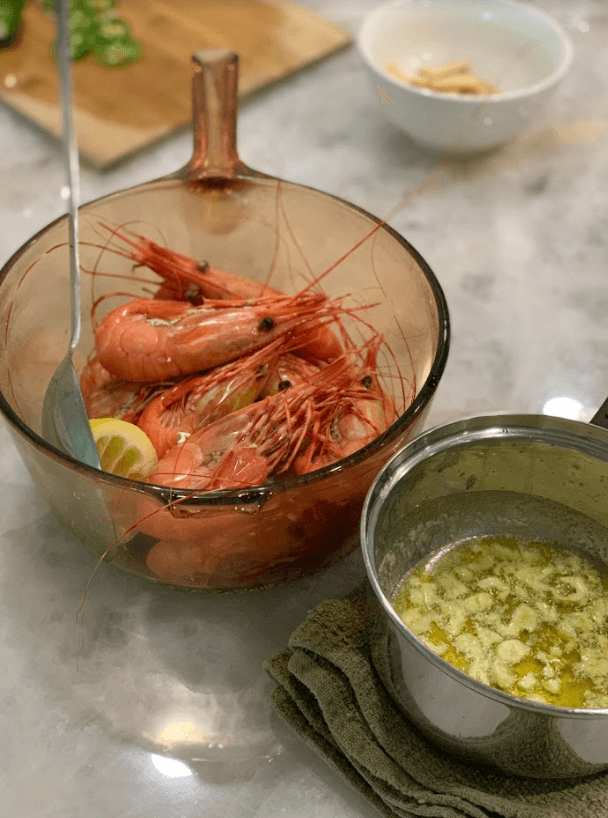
{"x": 528, "y": 618}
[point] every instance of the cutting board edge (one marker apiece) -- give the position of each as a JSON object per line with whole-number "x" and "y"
{"x": 96, "y": 162}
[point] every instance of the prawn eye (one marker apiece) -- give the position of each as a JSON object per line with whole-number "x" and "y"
{"x": 367, "y": 381}
{"x": 283, "y": 385}
{"x": 202, "y": 266}
{"x": 266, "y": 324}
{"x": 193, "y": 294}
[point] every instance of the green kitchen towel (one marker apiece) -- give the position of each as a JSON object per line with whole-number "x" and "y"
{"x": 329, "y": 692}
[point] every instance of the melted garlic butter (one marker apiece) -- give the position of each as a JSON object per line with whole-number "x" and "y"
{"x": 524, "y": 617}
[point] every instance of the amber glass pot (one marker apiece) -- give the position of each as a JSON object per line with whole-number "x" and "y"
{"x": 219, "y": 210}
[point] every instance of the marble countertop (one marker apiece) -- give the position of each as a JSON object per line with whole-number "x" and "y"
{"x": 150, "y": 703}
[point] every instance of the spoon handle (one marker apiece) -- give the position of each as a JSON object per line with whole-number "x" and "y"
{"x": 64, "y": 59}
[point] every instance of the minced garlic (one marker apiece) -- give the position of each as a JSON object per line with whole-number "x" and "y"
{"x": 528, "y": 618}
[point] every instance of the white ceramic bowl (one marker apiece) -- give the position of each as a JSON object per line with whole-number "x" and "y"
{"x": 517, "y": 47}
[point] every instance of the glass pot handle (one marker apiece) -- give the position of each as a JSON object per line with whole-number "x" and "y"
{"x": 214, "y": 112}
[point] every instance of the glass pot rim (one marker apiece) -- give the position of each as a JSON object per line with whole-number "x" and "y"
{"x": 261, "y": 492}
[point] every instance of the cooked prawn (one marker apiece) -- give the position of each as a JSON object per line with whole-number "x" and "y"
{"x": 185, "y": 278}
{"x": 240, "y": 449}
{"x": 94, "y": 376}
{"x": 320, "y": 419}
{"x": 194, "y": 282}
{"x": 148, "y": 340}
{"x": 361, "y": 412}
{"x": 200, "y": 399}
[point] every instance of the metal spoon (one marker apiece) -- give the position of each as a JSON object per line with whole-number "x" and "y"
{"x": 64, "y": 419}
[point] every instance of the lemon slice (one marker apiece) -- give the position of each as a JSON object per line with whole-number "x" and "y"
{"x": 123, "y": 448}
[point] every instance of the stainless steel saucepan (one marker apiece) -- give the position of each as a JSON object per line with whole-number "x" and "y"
{"x": 531, "y": 476}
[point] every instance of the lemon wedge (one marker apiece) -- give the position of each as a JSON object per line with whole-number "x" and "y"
{"x": 123, "y": 448}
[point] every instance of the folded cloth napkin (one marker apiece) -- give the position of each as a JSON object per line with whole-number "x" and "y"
{"x": 330, "y": 693}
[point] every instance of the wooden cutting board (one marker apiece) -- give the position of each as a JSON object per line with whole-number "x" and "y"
{"x": 121, "y": 110}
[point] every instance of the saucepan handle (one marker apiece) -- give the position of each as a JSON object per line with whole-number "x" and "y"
{"x": 601, "y": 416}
